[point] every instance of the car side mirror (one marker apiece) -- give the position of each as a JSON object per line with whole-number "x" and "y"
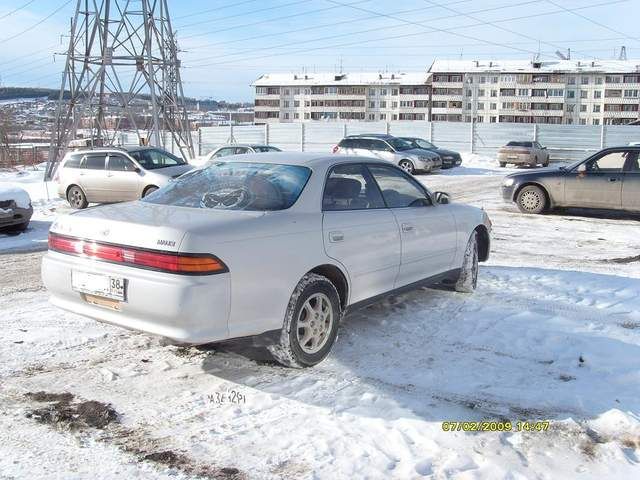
{"x": 442, "y": 198}
{"x": 582, "y": 168}
{"x": 137, "y": 170}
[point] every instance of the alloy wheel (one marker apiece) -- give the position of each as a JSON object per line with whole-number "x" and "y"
{"x": 315, "y": 322}
{"x": 530, "y": 201}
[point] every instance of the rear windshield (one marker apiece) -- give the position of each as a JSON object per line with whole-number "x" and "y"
{"x": 152, "y": 159}
{"x": 520, "y": 144}
{"x": 235, "y": 186}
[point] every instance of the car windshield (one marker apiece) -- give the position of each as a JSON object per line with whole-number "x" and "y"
{"x": 236, "y": 186}
{"x": 152, "y": 159}
{"x": 264, "y": 149}
{"x": 399, "y": 144}
{"x": 519, "y": 144}
{"x": 424, "y": 144}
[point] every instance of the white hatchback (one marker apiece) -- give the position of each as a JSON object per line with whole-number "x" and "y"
{"x": 263, "y": 243}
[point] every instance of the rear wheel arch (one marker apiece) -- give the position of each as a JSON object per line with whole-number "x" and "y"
{"x": 145, "y": 192}
{"x": 337, "y": 277}
{"x": 484, "y": 243}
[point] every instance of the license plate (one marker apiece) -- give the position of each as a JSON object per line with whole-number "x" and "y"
{"x": 99, "y": 285}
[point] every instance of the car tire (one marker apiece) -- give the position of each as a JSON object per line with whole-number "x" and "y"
{"x": 310, "y": 324}
{"x": 149, "y": 190}
{"x": 531, "y": 199}
{"x": 503, "y": 164}
{"x": 468, "y": 279}
{"x": 19, "y": 228}
{"x": 407, "y": 166}
{"x": 76, "y": 197}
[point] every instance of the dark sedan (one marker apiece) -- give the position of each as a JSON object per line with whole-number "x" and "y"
{"x": 609, "y": 179}
{"x": 449, "y": 157}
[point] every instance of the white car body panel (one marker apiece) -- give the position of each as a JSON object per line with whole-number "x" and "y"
{"x": 267, "y": 253}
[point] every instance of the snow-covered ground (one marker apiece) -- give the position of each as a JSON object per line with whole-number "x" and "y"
{"x": 552, "y": 333}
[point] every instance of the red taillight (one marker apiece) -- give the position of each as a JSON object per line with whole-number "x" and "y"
{"x": 195, "y": 264}
{"x": 335, "y": 149}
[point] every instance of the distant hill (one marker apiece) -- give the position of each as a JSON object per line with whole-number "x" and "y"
{"x": 10, "y": 93}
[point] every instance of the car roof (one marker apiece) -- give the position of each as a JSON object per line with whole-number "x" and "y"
{"x": 380, "y": 136}
{"x": 251, "y": 145}
{"x": 113, "y": 148}
{"x": 310, "y": 160}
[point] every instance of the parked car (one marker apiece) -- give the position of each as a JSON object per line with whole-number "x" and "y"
{"x": 449, "y": 158}
{"x": 523, "y": 153}
{"x": 15, "y": 208}
{"x": 391, "y": 149}
{"x": 609, "y": 179}
{"x": 111, "y": 174}
{"x": 239, "y": 149}
{"x": 273, "y": 242}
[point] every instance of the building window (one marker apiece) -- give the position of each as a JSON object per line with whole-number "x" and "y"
{"x": 492, "y": 119}
{"x": 479, "y": 119}
{"x": 286, "y": 103}
{"x": 383, "y": 104}
{"x": 493, "y": 106}
{"x": 481, "y": 92}
{"x": 571, "y": 80}
{"x": 383, "y": 116}
{"x": 597, "y": 94}
{"x": 596, "y": 109}
{"x": 571, "y": 94}
{"x": 296, "y": 91}
{"x": 372, "y": 104}
{"x": 583, "y": 94}
{"x": 307, "y": 116}
{"x": 494, "y": 93}
{"x": 372, "y": 116}
{"x": 584, "y": 80}
{"x": 296, "y": 103}
{"x": 383, "y": 91}
{"x": 395, "y": 116}
{"x": 612, "y": 79}
{"x": 523, "y": 92}
{"x": 494, "y": 79}
{"x": 596, "y": 121}
{"x": 394, "y": 105}
{"x": 483, "y": 79}
{"x": 372, "y": 92}
{"x": 468, "y": 106}
{"x": 296, "y": 116}
{"x": 394, "y": 91}
{"x": 555, "y": 92}
{"x": 598, "y": 80}
{"x": 631, "y": 93}
{"x": 480, "y": 106}
{"x": 469, "y": 93}
{"x": 583, "y": 121}
{"x": 583, "y": 108}
{"x": 570, "y": 107}
{"x": 286, "y": 116}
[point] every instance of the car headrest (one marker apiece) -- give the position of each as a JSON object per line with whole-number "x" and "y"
{"x": 343, "y": 188}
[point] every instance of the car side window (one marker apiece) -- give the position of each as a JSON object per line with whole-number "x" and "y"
{"x": 608, "y": 163}
{"x": 118, "y": 163}
{"x": 73, "y": 161}
{"x": 350, "y": 187}
{"x": 94, "y": 162}
{"x": 398, "y": 189}
{"x": 632, "y": 162}
{"x": 241, "y": 150}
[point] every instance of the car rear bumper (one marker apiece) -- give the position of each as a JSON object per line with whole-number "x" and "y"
{"x": 12, "y": 216}
{"x": 186, "y": 309}
{"x": 517, "y": 158}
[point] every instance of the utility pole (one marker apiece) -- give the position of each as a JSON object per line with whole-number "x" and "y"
{"x": 122, "y": 59}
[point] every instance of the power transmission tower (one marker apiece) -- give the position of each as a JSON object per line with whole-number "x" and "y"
{"x": 122, "y": 73}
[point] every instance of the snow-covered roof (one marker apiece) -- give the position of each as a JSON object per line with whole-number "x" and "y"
{"x": 324, "y": 79}
{"x": 527, "y": 66}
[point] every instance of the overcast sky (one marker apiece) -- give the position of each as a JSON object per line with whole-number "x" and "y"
{"x": 228, "y": 43}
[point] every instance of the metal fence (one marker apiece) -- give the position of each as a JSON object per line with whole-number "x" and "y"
{"x": 565, "y": 142}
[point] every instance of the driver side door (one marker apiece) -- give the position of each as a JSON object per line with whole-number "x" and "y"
{"x": 598, "y": 184}
{"x": 427, "y": 231}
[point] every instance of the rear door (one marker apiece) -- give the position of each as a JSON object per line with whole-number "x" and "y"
{"x": 93, "y": 177}
{"x": 428, "y": 231}
{"x": 124, "y": 180}
{"x": 600, "y": 185}
{"x": 359, "y": 231}
{"x": 631, "y": 182}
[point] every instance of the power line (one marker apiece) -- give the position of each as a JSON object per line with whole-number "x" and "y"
{"x": 595, "y": 22}
{"x": 499, "y": 27}
{"x": 243, "y": 14}
{"x": 17, "y": 9}
{"x": 451, "y": 30}
{"x": 217, "y": 9}
{"x": 40, "y": 22}
{"x": 315, "y": 27}
{"x": 348, "y": 34}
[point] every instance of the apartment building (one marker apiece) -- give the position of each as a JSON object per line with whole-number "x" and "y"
{"x": 341, "y": 97}
{"x": 556, "y": 92}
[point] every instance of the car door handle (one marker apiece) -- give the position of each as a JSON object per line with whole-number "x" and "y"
{"x": 613, "y": 179}
{"x": 407, "y": 227}
{"x": 336, "y": 236}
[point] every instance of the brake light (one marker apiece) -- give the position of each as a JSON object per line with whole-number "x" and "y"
{"x": 172, "y": 262}
{"x": 335, "y": 149}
